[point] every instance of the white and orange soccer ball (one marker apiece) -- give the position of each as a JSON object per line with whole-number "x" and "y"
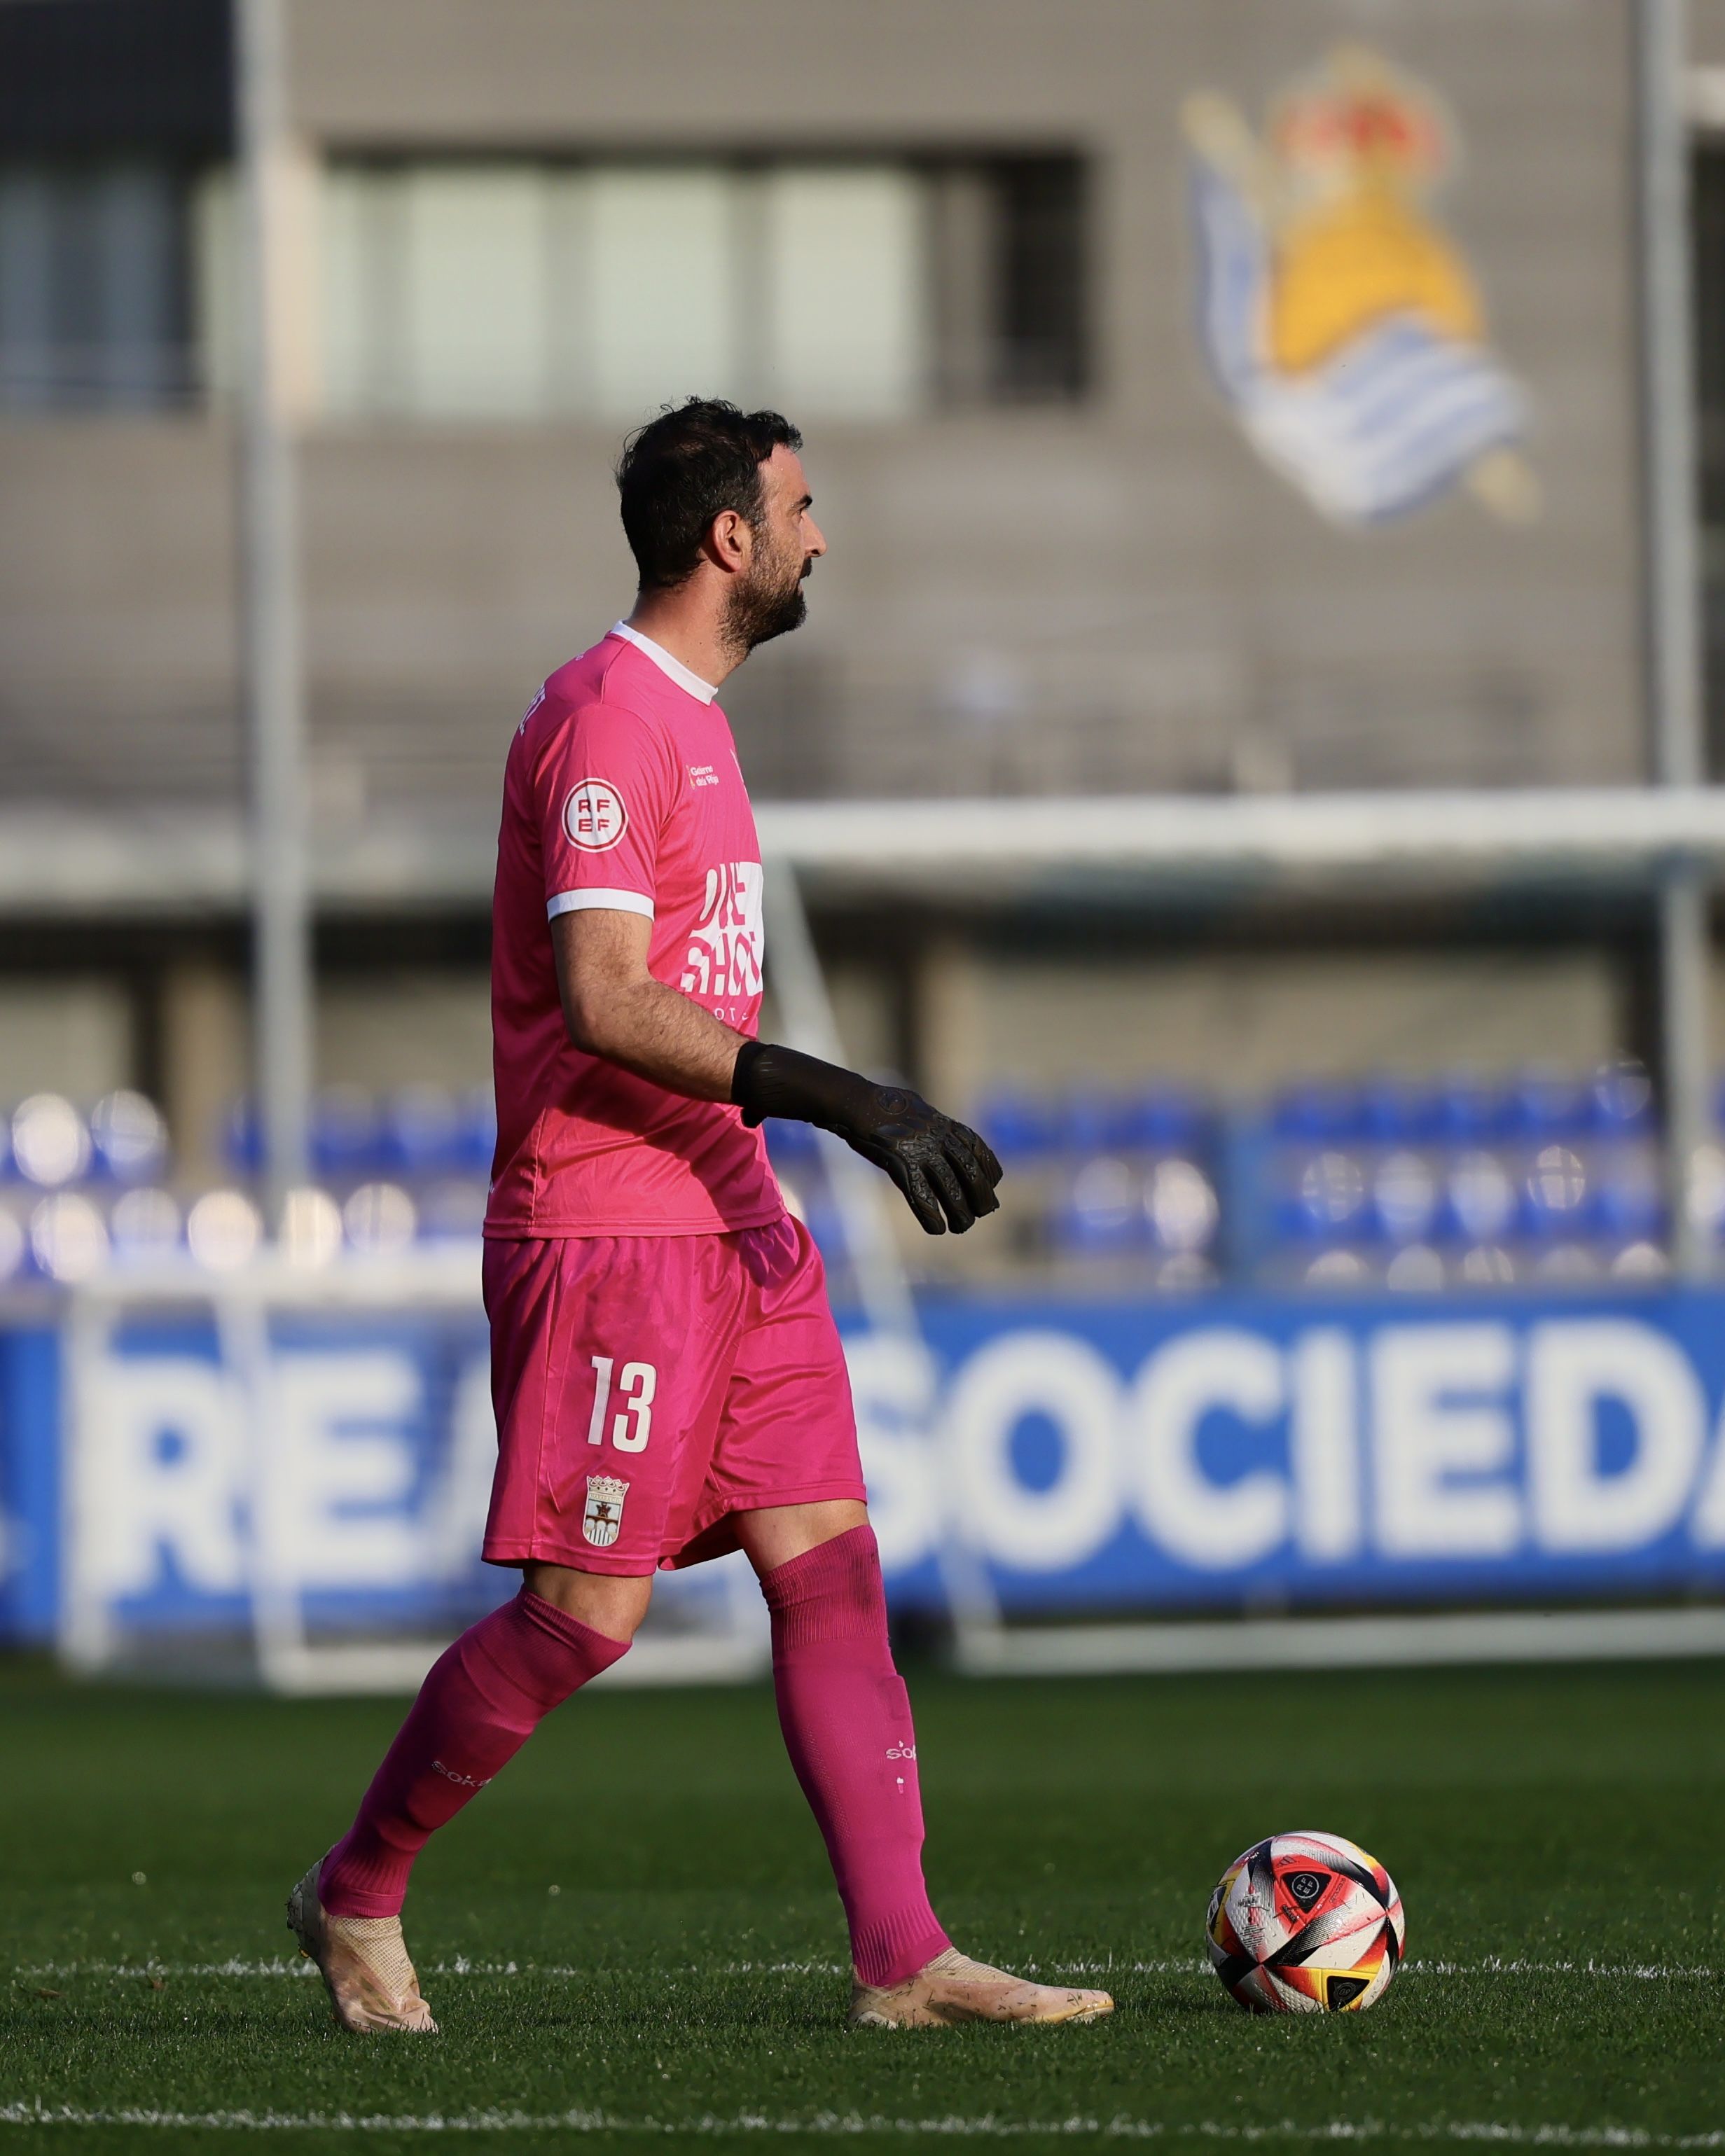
{"x": 1306, "y": 1923}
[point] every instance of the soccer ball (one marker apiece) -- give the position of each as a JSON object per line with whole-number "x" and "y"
{"x": 1306, "y": 1924}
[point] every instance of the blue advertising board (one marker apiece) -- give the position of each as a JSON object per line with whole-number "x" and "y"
{"x": 30, "y": 1458}
{"x": 1177, "y": 1455}
{"x": 1256, "y": 1449}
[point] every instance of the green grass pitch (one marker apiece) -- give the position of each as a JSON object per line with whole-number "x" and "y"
{"x": 631, "y": 1938}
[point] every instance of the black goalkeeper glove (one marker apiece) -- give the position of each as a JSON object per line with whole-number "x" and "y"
{"x": 947, "y": 1172}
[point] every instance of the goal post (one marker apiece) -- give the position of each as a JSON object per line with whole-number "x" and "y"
{"x": 287, "y": 1469}
{"x": 1353, "y": 848}
{"x": 286, "y": 1472}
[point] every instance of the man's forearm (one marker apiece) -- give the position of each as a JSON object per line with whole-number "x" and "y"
{"x": 658, "y": 1032}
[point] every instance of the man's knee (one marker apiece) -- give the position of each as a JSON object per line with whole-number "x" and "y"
{"x": 831, "y": 1597}
{"x": 780, "y": 1533}
{"x": 611, "y": 1604}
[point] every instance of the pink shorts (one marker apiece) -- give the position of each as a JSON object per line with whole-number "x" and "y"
{"x": 648, "y": 1388}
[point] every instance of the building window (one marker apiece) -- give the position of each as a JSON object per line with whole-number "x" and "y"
{"x": 1038, "y": 238}
{"x": 860, "y": 290}
{"x": 94, "y": 296}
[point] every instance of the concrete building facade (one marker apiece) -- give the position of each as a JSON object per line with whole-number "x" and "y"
{"x": 1068, "y": 553}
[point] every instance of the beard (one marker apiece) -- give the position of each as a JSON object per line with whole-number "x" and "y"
{"x": 768, "y": 602}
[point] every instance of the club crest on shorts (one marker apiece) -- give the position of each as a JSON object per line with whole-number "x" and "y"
{"x": 603, "y": 1518}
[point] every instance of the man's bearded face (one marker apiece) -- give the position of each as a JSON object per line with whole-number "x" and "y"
{"x": 769, "y": 600}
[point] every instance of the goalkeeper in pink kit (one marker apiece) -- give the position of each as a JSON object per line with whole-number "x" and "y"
{"x": 668, "y": 1380}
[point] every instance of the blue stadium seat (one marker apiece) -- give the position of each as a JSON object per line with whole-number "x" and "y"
{"x": 1621, "y": 1099}
{"x": 478, "y": 1135}
{"x": 50, "y": 1142}
{"x": 346, "y": 1133}
{"x": 1480, "y": 1198}
{"x": 1556, "y": 1196}
{"x": 1315, "y": 1112}
{"x": 129, "y": 1136}
{"x": 826, "y": 1224}
{"x": 1405, "y": 1196}
{"x": 1550, "y": 1166}
{"x": 1397, "y": 1113}
{"x": 1022, "y": 1129}
{"x": 1470, "y": 1109}
{"x": 1332, "y": 1192}
{"x": 1181, "y": 1211}
{"x": 1303, "y": 1237}
{"x": 1163, "y": 1120}
{"x": 1628, "y": 1213}
{"x": 1091, "y": 1122}
{"x": 145, "y": 1223}
{"x": 420, "y": 1132}
{"x": 791, "y": 1142}
{"x": 452, "y": 1210}
{"x": 1547, "y": 1105}
{"x": 1102, "y": 1210}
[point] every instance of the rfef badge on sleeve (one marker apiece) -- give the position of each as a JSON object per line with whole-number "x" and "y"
{"x": 594, "y": 816}
{"x": 602, "y": 1520}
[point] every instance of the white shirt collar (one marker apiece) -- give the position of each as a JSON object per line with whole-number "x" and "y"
{"x": 663, "y": 661}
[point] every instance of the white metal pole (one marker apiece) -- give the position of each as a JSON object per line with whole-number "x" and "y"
{"x": 273, "y": 662}
{"x": 859, "y": 1192}
{"x": 1673, "y": 636}
{"x": 883, "y": 1280}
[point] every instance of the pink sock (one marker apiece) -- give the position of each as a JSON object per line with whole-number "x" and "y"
{"x": 846, "y": 1719}
{"x": 482, "y": 1699}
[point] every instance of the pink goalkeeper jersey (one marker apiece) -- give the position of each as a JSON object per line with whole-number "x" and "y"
{"x": 623, "y": 790}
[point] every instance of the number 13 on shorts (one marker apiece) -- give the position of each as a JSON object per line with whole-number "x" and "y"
{"x": 633, "y": 1425}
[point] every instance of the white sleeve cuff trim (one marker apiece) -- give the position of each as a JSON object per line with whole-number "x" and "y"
{"x": 598, "y": 901}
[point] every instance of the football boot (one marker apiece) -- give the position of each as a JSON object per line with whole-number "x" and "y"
{"x": 363, "y": 1962}
{"x": 953, "y": 1987}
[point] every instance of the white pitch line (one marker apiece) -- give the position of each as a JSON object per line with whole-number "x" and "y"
{"x": 460, "y": 1965}
{"x": 1493, "y": 1965}
{"x": 846, "y": 2125}
{"x": 297, "y": 1965}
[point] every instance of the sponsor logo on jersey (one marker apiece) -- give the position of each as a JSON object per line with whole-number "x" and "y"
{"x": 703, "y": 774}
{"x": 594, "y": 818}
{"x": 723, "y": 965}
{"x": 602, "y": 1521}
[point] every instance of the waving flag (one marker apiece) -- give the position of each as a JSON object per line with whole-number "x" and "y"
{"x": 1338, "y": 318}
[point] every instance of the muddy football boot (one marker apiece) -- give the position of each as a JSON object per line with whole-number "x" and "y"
{"x": 363, "y": 1962}
{"x": 953, "y": 1987}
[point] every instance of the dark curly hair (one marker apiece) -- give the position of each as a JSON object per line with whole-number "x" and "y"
{"x": 682, "y": 469}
